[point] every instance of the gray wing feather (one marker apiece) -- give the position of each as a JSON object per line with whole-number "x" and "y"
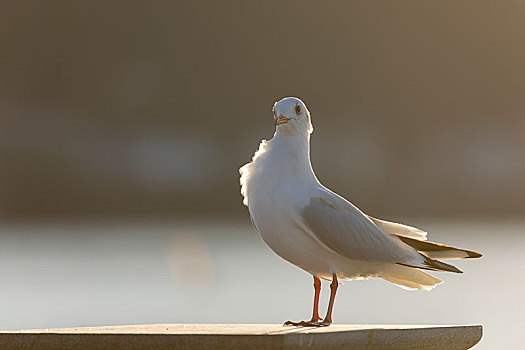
{"x": 253, "y": 223}
{"x": 345, "y": 229}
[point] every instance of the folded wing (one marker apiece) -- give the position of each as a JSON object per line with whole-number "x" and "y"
{"x": 346, "y": 230}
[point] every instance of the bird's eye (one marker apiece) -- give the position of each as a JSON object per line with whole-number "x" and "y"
{"x": 298, "y": 109}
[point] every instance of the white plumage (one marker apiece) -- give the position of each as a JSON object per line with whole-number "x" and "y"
{"x": 314, "y": 228}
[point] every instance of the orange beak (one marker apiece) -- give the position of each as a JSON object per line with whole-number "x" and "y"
{"x": 281, "y": 120}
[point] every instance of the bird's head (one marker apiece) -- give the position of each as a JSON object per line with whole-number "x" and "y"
{"x": 291, "y": 116}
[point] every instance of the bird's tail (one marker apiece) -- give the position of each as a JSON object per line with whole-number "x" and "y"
{"x": 409, "y": 277}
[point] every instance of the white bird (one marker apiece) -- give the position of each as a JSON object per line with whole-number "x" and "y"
{"x": 321, "y": 232}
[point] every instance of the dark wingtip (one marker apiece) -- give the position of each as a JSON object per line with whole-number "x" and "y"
{"x": 472, "y": 254}
{"x": 440, "y": 265}
{"x": 456, "y": 270}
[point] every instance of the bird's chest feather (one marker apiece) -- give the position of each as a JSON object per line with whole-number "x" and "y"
{"x": 275, "y": 198}
{"x": 276, "y": 185}
{"x": 272, "y": 198}
{"x": 274, "y": 192}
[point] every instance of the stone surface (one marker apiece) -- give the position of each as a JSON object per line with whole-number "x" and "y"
{"x": 244, "y": 336}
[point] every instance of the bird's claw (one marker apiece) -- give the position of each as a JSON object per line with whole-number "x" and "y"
{"x": 307, "y": 324}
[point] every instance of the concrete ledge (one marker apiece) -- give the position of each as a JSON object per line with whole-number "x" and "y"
{"x": 244, "y": 336}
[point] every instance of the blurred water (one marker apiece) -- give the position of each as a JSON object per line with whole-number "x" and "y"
{"x": 78, "y": 274}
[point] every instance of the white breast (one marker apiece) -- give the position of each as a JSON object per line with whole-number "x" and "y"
{"x": 275, "y": 186}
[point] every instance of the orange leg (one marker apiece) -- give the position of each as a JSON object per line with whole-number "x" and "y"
{"x": 317, "y": 292}
{"x": 333, "y": 289}
{"x": 314, "y": 322}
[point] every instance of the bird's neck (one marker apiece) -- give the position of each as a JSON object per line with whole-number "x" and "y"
{"x": 294, "y": 145}
{"x": 294, "y": 153}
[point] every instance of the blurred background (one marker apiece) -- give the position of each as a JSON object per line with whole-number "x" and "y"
{"x": 123, "y": 125}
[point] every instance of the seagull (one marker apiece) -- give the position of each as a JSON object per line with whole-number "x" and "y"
{"x": 321, "y": 232}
